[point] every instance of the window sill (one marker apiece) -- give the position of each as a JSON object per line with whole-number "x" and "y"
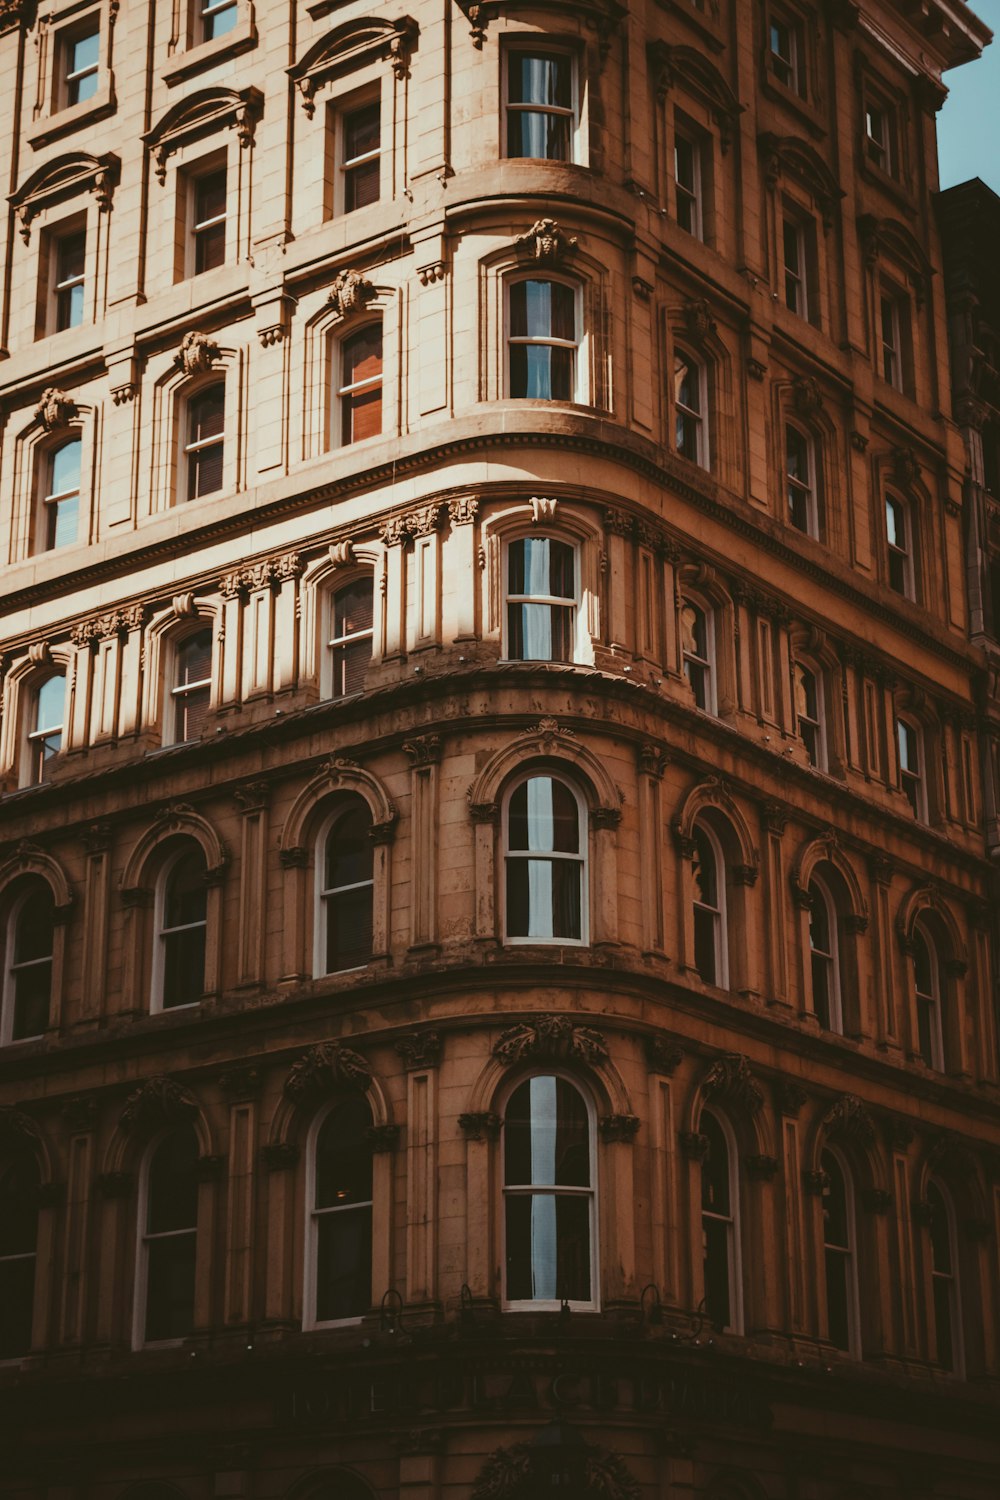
{"x": 785, "y": 94}
{"x": 890, "y": 185}
{"x": 241, "y": 39}
{"x": 709, "y": 28}
{"x": 63, "y": 121}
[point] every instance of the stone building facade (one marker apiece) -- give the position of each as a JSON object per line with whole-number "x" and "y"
{"x": 498, "y": 987}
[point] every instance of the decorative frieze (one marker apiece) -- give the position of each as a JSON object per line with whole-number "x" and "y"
{"x": 463, "y": 510}
{"x": 850, "y": 1119}
{"x": 554, "y": 1038}
{"x": 269, "y": 572}
{"x": 115, "y": 622}
{"x": 398, "y": 530}
{"x": 789, "y": 1097}
{"x": 323, "y": 1070}
{"x": 156, "y": 1102}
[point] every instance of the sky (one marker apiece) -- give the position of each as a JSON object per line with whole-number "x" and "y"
{"x": 969, "y": 123}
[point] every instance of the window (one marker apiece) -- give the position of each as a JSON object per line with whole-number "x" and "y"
{"x": 541, "y": 115}
{"x": 18, "y": 1250}
{"x": 48, "y": 705}
{"x": 698, "y": 651}
{"x": 80, "y": 54}
{"x": 794, "y": 252}
{"x": 346, "y": 890}
{"x": 339, "y": 1269}
{"x": 801, "y": 481}
{"x": 785, "y": 52}
{"x": 208, "y": 220}
{"x": 824, "y": 957}
{"x": 205, "y": 446}
{"x": 880, "y": 136}
{"x": 891, "y": 339}
{"x": 545, "y": 862}
{"x": 719, "y": 1227}
{"x": 168, "y": 1237}
{"x": 360, "y": 391}
{"x": 542, "y": 341}
{"x": 218, "y": 17}
{"x": 351, "y": 635}
{"x": 182, "y": 900}
{"x": 708, "y": 872}
{"x": 900, "y": 546}
{"x": 360, "y": 164}
{"x": 944, "y": 1279}
{"x": 69, "y": 257}
{"x": 687, "y": 181}
{"x": 810, "y": 714}
{"x": 927, "y": 995}
{"x": 839, "y": 1256}
{"x": 192, "y": 689}
{"x": 28, "y": 981}
{"x": 690, "y": 405}
{"x": 911, "y": 767}
{"x": 549, "y": 1173}
{"x": 60, "y": 508}
{"x": 541, "y": 599}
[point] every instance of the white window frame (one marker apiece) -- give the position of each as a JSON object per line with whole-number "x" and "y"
{"x": 38, "y": 733}
{"x": 521, "y": 1189}
{"x": 700, "y": 417}
{"x": 708, "y": 663}
{"x": 56, "y": 238}
{"x": 340, "y": 389}
{"x": 534, "y": 46}
{"x": 309, "y": 1277}
{"x": 189, "y": 445}
{"x": 575, "y": 602}
{"x": 890, "y": 361}
{"x": 793, "y": 62}
{"x": 582, "y": 859}
{"x": 849, "y": 1254}
{"x": 804, "y": 488}
{"x": 797, "y": 271}
{"x": 331, "y": 642}
{"x": 832, "y": 958}
{"x": 156, "y": 1005}
{"x": 720, "y": 913}
{"x": 175, "y": 691}
{"x": 734, "y": 1235}
{"x": 208, "y": 9}
{"x": 142, "y": 1238}
{"x": 880, "y": 151}
{"x": 931, "y": 998}
{"x": 957, "y": 1368}
{"x": 818, "y": 724}
{"x": 7, "y": 1037}
{"x": 693, "y": 195}
{"x": 579, "y": 346}
{"x": 67, "y": 38}
{"x": 917, "y": 778}
{"x": 341, "y": 108}
{"x": 903, "y": 513}
{"x": 320, "y": 891}
{"x": 52, "y": 497}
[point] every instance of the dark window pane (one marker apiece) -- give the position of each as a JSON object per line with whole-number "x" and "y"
{"x": 349, "y": 853}
{"x": 185, "y": 892}
{"x": 344, "y": 1265}
{"x": 542, "y": 136}
{"x": 218, "y": 20}
{"x": 210, "y": 196}
{"x": 210, "y": 248}
{"x": 34, "y": 930}
{"x": 716, "y": 1272}
{"x": 548, "y": 1248}
{"x": 547, "y": 1135}
{"x": 838, "y": 1299}
{"x": 32, "y": 991}
{"x": 544, "y": 817}
{"x": 183, "y": 967}
{"x": 942, "y": 1323}
{"x": 344, "y": 1156}
{"x": 173, "y": 1184}
{"x": 544, "y": 899}
{"x": 350, "y": 662}
{"x": 18, "y": 1209}
{"x": 362, "y": 415}
{"x": 705, "y": 956}
{"x": 715, "y": 1190}
{"x": 541, "y": 372}
{"x": 540, "y": 78}
{"x": 539, "y": 632}
{"x": 353, "y": 608}
{"x": 17, "y": 1295}
{"x": 348, "y": 929}
{"x": 207, "y": 414}
{"x": 362, "y": 131}
{"x": 170, "y": 1287}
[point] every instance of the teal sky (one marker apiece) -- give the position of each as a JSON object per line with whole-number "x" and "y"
{"x": 969, "y": 123}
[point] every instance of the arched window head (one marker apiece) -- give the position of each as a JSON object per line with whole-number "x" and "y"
{"x": 899, "y": 541}
{"x": 927, "y": 996}
{"x": 691, "y": 409}
{"x": 351, "y": 632}
{"x": 720, "y": 1226}
{"x": 912, "y": 777}
{"x": 30, "y": 940}
{"x": 840, "y": 1256}
{"x": 541, "y": 600}
{"x": 800, "y": 472}
{"x": 945, "y": 1289}
{"x": 58, "y": 523}
{"x": 345, "y": 889}
{"x": 698, "y": 651}
{"x": 810, "y": 714}
{"x": 181, "y": 927}
{"x": 46, "y": 717}
{"x": 541, "y": 104}
{"x": 546, "y": 862}
{"x": 824, "y": 956}
{"x": 359, "y": 396}
{"x": 708, "y": 874}
{"x": 543, "y": 339}
{"x": 168, "y": 1229}
{"x": 204, "y": 442}
{"x": 191, "y": 688}
{"x": 339, "y": 1232}
{"x": 549, "y": 1177}
{"x": 18, "y": 1249}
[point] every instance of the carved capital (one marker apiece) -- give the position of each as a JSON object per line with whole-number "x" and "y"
{"x": 764, "y": 1168}
{"x": 115, "y": 1184}
{"x": 731, "y": 1077}
{"x": 80, "y": 1114}
{"x": 383, "y": 1138}
{"x": 698, "y": 318}
{"x": 481, "y": 1125}
{"x": 849, "y": 1118}
{"x": 619, "y": 1128}
{"x": 694, "y": 1144}
{"x": 876, "y": 1200}
{"x": 419, "y": 1049}
{"x": 662, "y": 1055}
{"x": 240, "y": 1084}
{"x": 156, "y": 1102}
{"x": 463, "y": 510}
{"x": 815, "y": 1183}
{"x": 789, "y": 1097}
{"x": 652, "y": 760}
{"x": 423, "y": 749}
{"x": 279, "y": 1156}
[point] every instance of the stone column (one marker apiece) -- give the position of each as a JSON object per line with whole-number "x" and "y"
{"x": 424, "y": 751}
{"x": 482, "y": 1134}
{"x": 652, "y": 762}
{"x": 241, "y": 1086}
{"x": 789, "y": 1098}
{"x": 252, "y": 800}
{"x": 663, "y": 1058}
{"x": 96, "y": 914}
{"x": 774, "y": 820}
{"x": 80, "y": 1117}
{"x": 280, "y": 1160}
{"x": 421, "y": 1051}
{"x": 461, "y": 573}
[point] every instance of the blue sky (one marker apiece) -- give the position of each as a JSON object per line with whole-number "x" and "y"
{"x": 969, "y": 123}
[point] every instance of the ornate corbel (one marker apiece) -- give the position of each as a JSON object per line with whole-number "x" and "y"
{"x": 350, "y": 293}
{"x": 546, "y": 242}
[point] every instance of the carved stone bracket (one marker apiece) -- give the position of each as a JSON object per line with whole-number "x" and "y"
{"x": 652, "y": 760}
{"x": 463, "y": 510}
{"x": 269, "y": 572}
{"x": 694, "y": 1144}
{"x": 240, "y": 1084}
{"x": 731, "y": 1077}
{"x": 815, "y": 1183}
{"x": 515, "y": 1473}
{"x": 662, "y": 1055}
{"x": 198, "y": 353}
{"x": 850, "y": 1119}
{"x": 764, "y": 1168}
{"x": 55, "y": 410}
{"x": 279, "y": 1156}
{"x": 106, "y": 627}
{"x": 383, "y": 1138}
{"x": 423, "y": 749}
{"x": 323, "y": 1070}
{"x": 419, "y": 1049}
{"x": 350, "y": 293}
{"x": 789, "y": 1097}
{"x": 17, "y": 1130}
{"x": 399, "y": 530}
{"x": 554, "y": 1038}
{"x": 546, "y": 242}
{"x": 698, "y": 318}
{"x": 619, "y": 1128}
{"x": 156, "y": 1102}
{"x": 80, "y": 1114}
{"x": 876, "y": 1200}
{"x": 481, "y": 1125}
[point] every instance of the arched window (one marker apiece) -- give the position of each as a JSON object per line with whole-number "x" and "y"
{"x": 549, "y": 1177}
{"x": 840, "y": 1256}
{"x": 899, "y": 541}
{"x": 810, "y": 713}
{"x": 720, "y": 1226}
{"x": 339, "y": 1232}
{"x": 59, "y": 512}
{"x": 18, "y": 1250}
{"x": 359, "y": 395}
{"x": 912, "y": 781}
{"x": 30, "y": 940}
{"x": 691, "y": 409}
{"x": 800, "y": 472}
{"x": 345, "y": 863}
{"x": 351, "y": 632}
{"x": 944, "y": 1279}
{"x": 927, "y": 994}
{"x": 541, "y": 600}
{"x": 545, "y": 860}
{"x": 204, "y": 443}
{"x": 824, "y": 956}
{"x": 698, "y": 652}
{"x": 168, "y": 1227}
{"x": 191, "y": 688}
{"x": 542, "y": 340}
{"x": 708, "y": 870}
{"x": 47, "y": 708}
{"x": 181, "y": 904}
